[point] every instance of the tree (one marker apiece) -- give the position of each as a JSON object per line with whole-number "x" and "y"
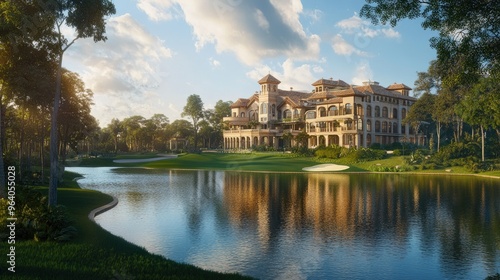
{"x": 469, "y": 31}
{"x": 222, "y": 109}
{"x": 115, "y": 127}
{"x": 479, "y": 105}
{"x": 194, "y": 111}
{"x": 420, "y": 112}
{"x": 87, "y": 18}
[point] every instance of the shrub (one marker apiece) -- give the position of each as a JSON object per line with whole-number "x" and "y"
{"x": 36, "y": 220}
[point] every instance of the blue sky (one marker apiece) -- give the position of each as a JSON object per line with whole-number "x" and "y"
{"x": 159, "y": 52}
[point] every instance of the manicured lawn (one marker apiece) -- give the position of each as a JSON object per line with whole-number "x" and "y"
{"x": 95, "y": 253}
{"x": 272, "y": 162}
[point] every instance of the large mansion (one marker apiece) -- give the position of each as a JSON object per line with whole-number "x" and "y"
{"x": 333, "y": 113}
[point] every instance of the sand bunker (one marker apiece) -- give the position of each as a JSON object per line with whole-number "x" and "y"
{"x": 326, "y": 167}
{"x": 144, "y": 159}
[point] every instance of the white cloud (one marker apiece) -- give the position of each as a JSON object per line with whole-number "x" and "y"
{"x": 123, "y": 70}
{"x": 158, "y": 10}
{"x": 299, "y": 77}
{"x": 356, "y": 25}
{"x": 271, "y": 28}
{"x": 214, "y": 62}
{"x": 261, "y": 20}
{"x": 341, "y": 47}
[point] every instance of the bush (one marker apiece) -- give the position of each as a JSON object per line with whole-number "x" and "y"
{"x": 36, "y": 220}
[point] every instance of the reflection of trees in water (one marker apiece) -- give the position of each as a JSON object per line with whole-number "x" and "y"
{"x": 454, "y": 216}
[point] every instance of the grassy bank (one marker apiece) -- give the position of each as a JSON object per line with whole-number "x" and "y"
{"x": 95, "y": 253}
{"x": 273, "y": 162}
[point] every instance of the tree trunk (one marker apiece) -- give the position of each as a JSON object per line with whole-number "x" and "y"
{"x": 3, "y": 189}
{"x": 438, "y": 131}
{"x": 54, "y": 164}
{"x": 482, "y": 143}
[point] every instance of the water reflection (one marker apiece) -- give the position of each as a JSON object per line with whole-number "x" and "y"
{"x": 311, "y": 225}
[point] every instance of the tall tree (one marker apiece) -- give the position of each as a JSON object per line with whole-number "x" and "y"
{"x": 420, "y": 112}
{"x": 194, "y": 111}
{"x": 469, "y": 31}
{"x": 479, "y": 105}
{"x": 87, "y": 19}
{"x": 115, "y": 128}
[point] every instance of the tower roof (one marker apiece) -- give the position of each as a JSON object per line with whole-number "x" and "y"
{"x": 269, "y": 79}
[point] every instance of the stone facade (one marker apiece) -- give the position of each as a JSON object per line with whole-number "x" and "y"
{"x": 333, "y": 113}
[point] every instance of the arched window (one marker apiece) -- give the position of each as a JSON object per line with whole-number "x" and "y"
{"x": 394, "y": 113}
{"x": 242, "y": 114}
{"x": 377, "y": 126}
{"x": 377, "y": 111}
{"x": 403, "y": 113}
{"x": 263, "y": 108}
{"x": 384, "y": 126}
{"x": 348, "y": 108}
{"x": 385, "y": 112}
{"x": 369, "y": 111}
{"x": 322, "y": 112}
{"x": 287, "y": 114}
{"x": 368, "y": 125}
{"x": 359, "y": 110}
{"x": 273, "y": 110}
{"x": 395, "y": 128}
{"x": 310, "y": 115}
{"x": 333, "y": 111}
{"x": 295, "y": 114}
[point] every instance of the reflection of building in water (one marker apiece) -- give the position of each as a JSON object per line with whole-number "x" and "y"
{"x": 329, "y": 204}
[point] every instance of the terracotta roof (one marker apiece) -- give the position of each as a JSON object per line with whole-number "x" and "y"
{"x": 321, "y": 95}
{"x": 269, "y": 79}
{"x": 398, "y": 86}
{"x": 330, "y": 82}
{"x": 349, "y": 92}
{"x": 332, "y": 100}
{"x": 244, "y": 102}
{"x": 380, "y": 90}
{"x": 294, "y": 96}
{"x": 241, "y": 102}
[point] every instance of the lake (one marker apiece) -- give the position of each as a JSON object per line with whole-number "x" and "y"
{"x": 314, "y": 226}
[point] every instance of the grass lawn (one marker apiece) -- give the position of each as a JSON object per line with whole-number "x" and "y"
{"x": 95, "y": 253}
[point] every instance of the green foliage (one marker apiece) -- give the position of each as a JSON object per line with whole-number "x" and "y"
{"x": 36, "y": 220}
{"x": 351, "y": 155}
{"x": 467, "y": 31}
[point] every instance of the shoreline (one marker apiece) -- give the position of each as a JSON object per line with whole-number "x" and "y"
{"x": 314, "y": 172}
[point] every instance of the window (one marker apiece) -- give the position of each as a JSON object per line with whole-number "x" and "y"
{"x": 295, "y": 114}
{"x": 385, "y": 112}
{"x": 377, "y": 126}
{"x": 234, "y": 114}
{"x": 242, "y": 114}
{"x": 403, "y": 113}
{"x": 377, "y": 111}
{"x": 368, "y": 125}
{"x": 322, "y": 112}
{"x": 394, "y": 113}
{"x": 394, "y": 128}
{"x": 311, "y": 115}
{"x": 273, "y": 110}
{"x": 287, "y": 114}
{"x": 348, "y": 108}
{"x": 384, "y": 126}
{"x": 263, "y": 108}
{"x": 368, "y": 111}
{"x": 333, "y": 111}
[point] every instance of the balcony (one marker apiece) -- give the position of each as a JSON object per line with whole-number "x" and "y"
{"x": 236, "y": 120}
